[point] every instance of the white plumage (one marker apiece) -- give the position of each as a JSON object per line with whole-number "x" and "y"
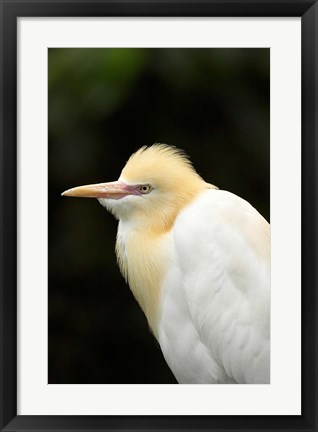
{"x": 198, "y": 261}
{"x": 215, "y": 319}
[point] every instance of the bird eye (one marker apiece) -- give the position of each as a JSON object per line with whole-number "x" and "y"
{"x": 144, "y": 189}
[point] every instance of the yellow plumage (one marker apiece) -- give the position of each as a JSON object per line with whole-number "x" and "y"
{"x": 170, "y": 171}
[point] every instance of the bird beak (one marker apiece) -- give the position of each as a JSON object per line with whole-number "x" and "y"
{"x": 112, "y": 190}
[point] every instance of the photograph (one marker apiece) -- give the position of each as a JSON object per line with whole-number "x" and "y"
{"x": 163, "y": 275}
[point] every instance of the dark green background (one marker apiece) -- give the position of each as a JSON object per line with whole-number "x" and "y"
{"x": 103, "y": 105}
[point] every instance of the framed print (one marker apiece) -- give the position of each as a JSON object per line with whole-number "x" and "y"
{"x": 194, "y": 124}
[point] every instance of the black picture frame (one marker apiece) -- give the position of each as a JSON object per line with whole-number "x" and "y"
{"x": 10, "y": 11}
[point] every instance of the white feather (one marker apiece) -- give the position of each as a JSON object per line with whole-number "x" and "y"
{"x": 215, "y": 318}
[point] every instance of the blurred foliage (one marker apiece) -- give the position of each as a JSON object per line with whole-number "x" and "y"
{"x": 103, "y": 105}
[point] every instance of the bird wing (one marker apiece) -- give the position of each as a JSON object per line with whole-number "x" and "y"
{"x": 222, "y": 252}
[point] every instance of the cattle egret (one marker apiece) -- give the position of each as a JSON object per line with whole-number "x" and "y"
{"x": 197, "y": 260}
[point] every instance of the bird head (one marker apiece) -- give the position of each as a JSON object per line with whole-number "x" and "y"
{"x": 155, "y": 184}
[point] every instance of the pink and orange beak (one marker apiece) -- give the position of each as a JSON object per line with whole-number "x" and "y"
{"x": 112, "y": 190}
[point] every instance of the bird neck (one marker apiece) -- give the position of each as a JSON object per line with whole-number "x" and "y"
{"x": 143, "y": 259}
{"x": 144, "y": 251}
